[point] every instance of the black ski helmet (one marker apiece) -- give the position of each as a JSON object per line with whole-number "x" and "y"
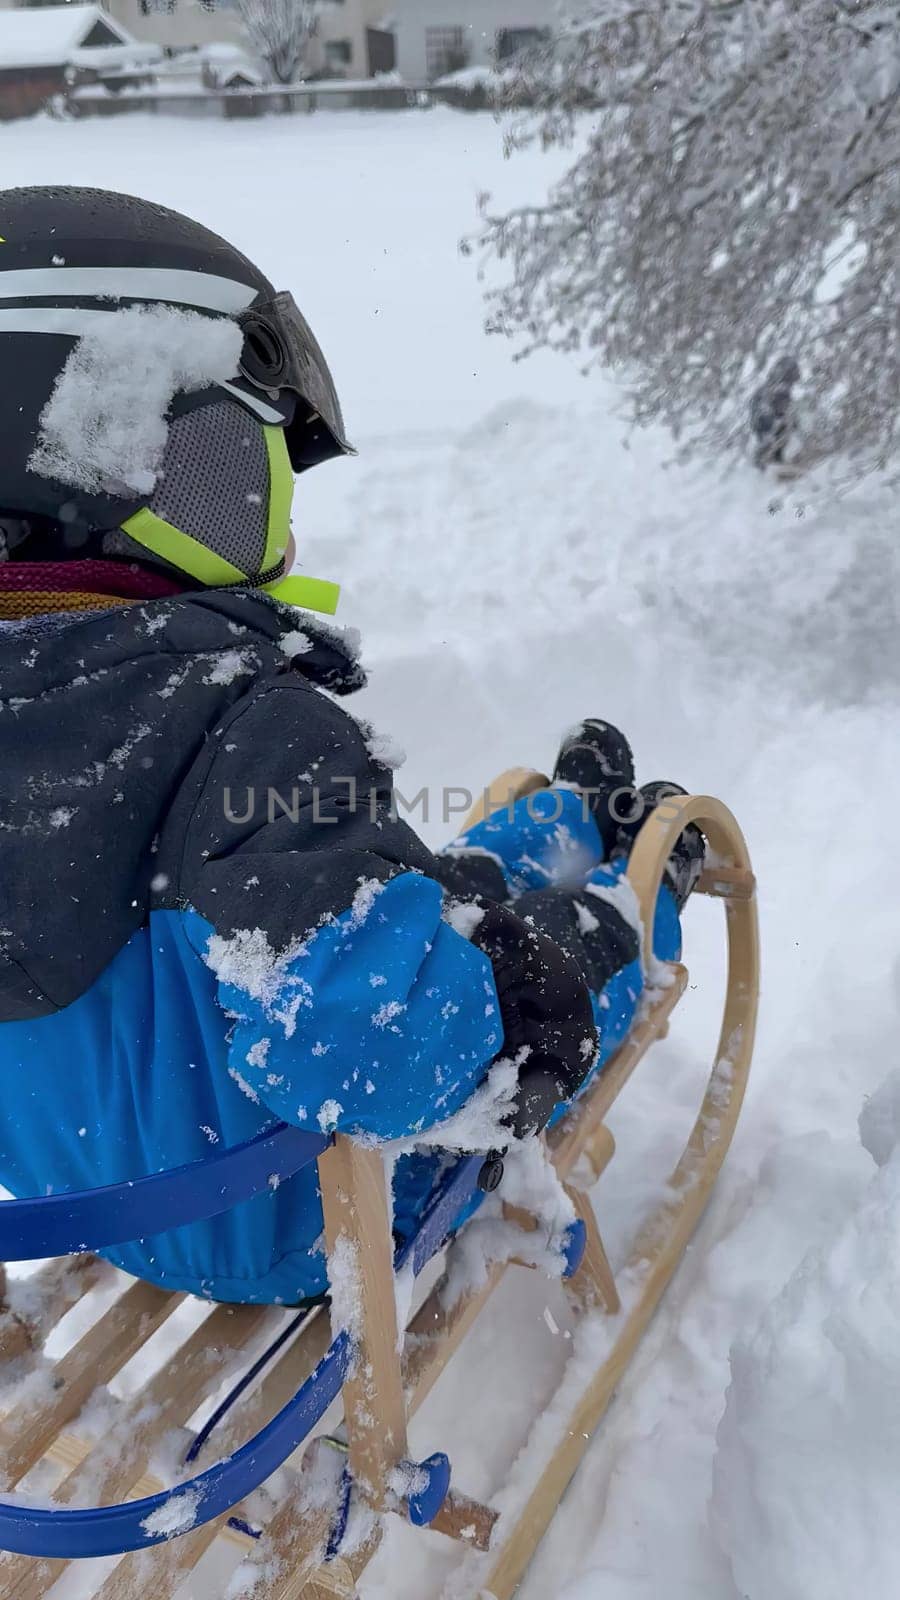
{"x": 219, "y": 509}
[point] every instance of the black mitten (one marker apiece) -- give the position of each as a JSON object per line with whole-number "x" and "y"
{"x": 590, "y": 928}
{"x": 545, "y": 1007}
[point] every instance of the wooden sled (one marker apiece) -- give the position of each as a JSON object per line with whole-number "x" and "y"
{"x": 297, "y": 1544}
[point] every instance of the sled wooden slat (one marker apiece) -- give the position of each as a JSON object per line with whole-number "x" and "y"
{"x": 727, "y": 883}
{"x": 166, "y": 1402}
{"x": 53, "y": 1290}
{"x": 284, "y": 1380}
{"x": 160, "y": 1570}
{"x": 289, "y": 1562}
{"x": 295, "y": 1364}
{"x": 387, "y": 1387}
{"x": 167, "y": 1565}
{"x": 332, "y": 1582}
{"x": 290, "y": 1557}
{"x": 323, "y": 1585}
{"x": 467, "y": 1520}
{"x": 103, "y": 1350}
{"x": 281, "y": 1382}
{"x": 593, "y": 1283}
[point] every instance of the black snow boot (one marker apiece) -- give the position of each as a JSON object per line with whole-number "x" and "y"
{"x": 685, "y": 864}
{"x": 595, "y": 757}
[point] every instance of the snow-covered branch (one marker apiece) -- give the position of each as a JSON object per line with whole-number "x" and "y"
{"x": 731, "y": 152}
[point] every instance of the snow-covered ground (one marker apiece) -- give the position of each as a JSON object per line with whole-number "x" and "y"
{"x": 516, "y": 560}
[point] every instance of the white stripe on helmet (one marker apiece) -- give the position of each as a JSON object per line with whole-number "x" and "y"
{"x": 254, "y": 404}
{"x": 75, "y": 321}
{"x": 205, "y": 290}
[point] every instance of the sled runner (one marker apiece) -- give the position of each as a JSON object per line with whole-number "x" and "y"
{"x": 265, "y": 1381}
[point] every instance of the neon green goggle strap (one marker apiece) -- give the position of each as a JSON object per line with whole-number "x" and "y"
{"x": 281, "y": 494}
{"x": 312, "y": 594}
{"x": 172, "y": 545}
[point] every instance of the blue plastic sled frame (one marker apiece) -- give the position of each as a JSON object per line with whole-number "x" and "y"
{"x": 67, "y": 1224}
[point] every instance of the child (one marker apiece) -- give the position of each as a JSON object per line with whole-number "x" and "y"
{"x": 211, "y": 916}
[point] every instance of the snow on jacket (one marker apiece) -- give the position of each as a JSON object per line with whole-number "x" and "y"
{"x": 211, "y": 919}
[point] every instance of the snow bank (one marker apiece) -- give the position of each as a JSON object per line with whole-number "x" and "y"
{"x": 806, "y": 1474}
{"x": 104, "y": 425}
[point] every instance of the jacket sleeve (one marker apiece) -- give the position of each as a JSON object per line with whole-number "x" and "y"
{"x": 356, "y": 1006}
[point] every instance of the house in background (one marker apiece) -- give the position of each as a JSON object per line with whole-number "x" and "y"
{"x": 41, "y": 47}
{"x": 348, "y": 42}
{"x": 351, "y": 40}
{"x": 192, "y": 48}
{"x": 180, "y": 24}
{"x": 438, "y": 37}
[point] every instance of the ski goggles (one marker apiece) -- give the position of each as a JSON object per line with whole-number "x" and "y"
{"x": 281, "y": 358}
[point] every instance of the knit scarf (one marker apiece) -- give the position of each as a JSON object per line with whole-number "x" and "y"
{"x": 36, "y": 588}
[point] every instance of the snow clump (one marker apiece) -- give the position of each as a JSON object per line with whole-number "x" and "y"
{"x": 104, "y": 427}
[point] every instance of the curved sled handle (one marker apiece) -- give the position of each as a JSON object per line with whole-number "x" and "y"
{"x": 94, "y": 1219}
{"x": 660, "y": 833}
{"x": 725, "y": 1092}
{"x": 646, "y": 865}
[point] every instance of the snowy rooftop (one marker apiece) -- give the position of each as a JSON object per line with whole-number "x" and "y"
{"x": 218, "y": 58}
{"x": 470, "y": 78}
{"x": 51, "y": 36}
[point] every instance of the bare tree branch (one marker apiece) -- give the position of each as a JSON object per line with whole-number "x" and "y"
{"x": 280, "y": 31}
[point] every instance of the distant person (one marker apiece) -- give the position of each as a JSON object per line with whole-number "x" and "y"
{"x": 772, "y": 412}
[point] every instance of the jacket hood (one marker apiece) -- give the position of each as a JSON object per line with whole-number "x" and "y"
{"x": 37, "y": 655}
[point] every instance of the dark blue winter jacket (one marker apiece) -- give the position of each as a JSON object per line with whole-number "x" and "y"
{"x": 210, "y": 919}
